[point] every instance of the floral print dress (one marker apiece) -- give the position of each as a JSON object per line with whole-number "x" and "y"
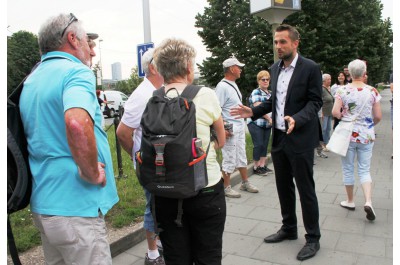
{"x": 353, "y": 100}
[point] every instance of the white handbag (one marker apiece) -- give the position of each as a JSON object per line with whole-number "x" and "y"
{"x": 340, "y": 138}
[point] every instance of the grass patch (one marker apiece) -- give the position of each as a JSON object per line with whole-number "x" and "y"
{"x": 128, "y": 210}
{"x": 26, "y": 235}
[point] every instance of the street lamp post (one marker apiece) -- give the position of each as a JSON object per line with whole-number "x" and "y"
{"x": 101, "y": 65}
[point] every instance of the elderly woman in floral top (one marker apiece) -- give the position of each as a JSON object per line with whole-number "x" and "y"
{"x": 362, "y": 101}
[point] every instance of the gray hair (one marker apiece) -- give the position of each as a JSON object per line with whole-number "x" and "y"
{"x": 325, "y": 76}
{"x": 50, "y": 38}
{"x": 171, "y": 58}
{"x": 146, "y": 60}
{"x": 357, "y": 68}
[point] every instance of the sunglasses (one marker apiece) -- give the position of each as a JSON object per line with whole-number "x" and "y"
{"x": 265, "y": 79}
{"x": 71, "y": 20}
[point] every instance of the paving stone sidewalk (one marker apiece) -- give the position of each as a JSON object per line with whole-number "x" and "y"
{"x": 347, "y": 236}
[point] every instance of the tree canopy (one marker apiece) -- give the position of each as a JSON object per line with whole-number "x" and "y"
{"x": 129, "y": 85}
{"x": 22, "y": 55}
{"x": 333, "y": 33}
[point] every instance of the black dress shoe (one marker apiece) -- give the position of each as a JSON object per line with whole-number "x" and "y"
{"x": 280, "y": 236}
{"x": 308, "y": 251}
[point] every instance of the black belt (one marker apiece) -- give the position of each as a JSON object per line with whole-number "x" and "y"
{"x": 279, "y": 130}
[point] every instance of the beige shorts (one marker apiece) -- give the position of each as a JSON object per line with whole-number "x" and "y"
{"x": 73, "y": 240}
{"x": 234, "y": 151}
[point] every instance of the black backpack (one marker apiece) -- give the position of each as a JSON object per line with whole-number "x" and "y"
{"x": 169, "y": 164}
{"x": 19, "y": 177}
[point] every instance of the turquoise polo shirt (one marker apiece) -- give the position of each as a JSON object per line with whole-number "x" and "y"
{"x": 59, "y": 83}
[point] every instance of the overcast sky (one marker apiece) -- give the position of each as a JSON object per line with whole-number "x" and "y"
{"x": 120, "y": 24}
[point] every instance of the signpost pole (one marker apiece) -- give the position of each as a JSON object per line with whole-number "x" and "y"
{"x": 146, "y": 21}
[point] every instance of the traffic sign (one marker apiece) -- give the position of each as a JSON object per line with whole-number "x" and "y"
{"x": 141, "y": 49}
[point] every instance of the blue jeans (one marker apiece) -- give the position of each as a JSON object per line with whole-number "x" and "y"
{"x": 148, "y": 223}
{"x": 364, "y": 154}
{"x": 326, "y": 128}
{"x": 260, "y": 137}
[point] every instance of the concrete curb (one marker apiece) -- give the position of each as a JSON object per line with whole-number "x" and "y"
{"x": 130, "y": 240}
{"x": 139, "y": 234}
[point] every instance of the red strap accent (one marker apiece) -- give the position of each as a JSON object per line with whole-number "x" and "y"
{"x": 197, "y": 160}
{"x": 186, "y": 103}
{"x": 138, "y": 158}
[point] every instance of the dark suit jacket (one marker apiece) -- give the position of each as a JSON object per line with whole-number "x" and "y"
{"x": 303, "y": 101}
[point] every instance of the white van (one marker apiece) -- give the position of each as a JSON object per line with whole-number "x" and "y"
{"x": 114, "y": 99}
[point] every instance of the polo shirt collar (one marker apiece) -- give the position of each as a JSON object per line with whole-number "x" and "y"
{"x": 59, "y": 54}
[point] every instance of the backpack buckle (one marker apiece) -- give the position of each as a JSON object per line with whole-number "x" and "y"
{"x": 159, "y": 159}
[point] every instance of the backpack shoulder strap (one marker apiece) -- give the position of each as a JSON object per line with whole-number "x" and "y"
{"x": 190, "y": 91}
{"x": 11, "y": 244}
{"x": 159, "y": 92}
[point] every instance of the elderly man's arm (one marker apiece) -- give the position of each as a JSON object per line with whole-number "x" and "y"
{"x": 82, "y": 143}
{"x": 124, "y": 134}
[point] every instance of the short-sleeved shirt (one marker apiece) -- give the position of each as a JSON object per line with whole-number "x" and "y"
{"x": 228, "y": 98}
{"x": 134, "y": 109}
{"x": 334, "y": 88}
{"x": 353, "y": 100}
{"x": 259, "y": 95}
{"x": 59, "y": 83}
{"x": 207, "y": 112}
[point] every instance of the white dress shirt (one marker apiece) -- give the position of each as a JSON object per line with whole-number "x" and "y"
{"x": 281, "y": 90}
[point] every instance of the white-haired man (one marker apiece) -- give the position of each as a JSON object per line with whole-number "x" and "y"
{"x": 129, "y": 133}
{"x": 69, "y": 155}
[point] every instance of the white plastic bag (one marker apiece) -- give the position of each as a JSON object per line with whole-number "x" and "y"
{"x": 340, "y": 139}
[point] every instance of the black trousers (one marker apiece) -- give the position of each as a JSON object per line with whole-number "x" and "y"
{"x": 289, "y": 165}
{"x": 199, "y": 240}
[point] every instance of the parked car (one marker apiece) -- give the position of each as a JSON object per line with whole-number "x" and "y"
{"x": 114, "y": 99}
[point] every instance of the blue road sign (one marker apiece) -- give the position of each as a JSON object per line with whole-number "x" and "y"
{"x": 141, "y": 49}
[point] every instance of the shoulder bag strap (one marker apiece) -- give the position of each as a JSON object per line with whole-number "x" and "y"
{"x": 234, "y": 89}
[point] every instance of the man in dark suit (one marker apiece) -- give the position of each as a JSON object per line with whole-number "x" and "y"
{"x": 296, "y": 98}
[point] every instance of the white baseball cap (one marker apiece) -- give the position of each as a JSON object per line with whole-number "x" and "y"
{"x": 232, "y": 61}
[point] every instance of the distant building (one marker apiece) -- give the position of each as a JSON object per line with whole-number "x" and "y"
{"x": 116, "y": 71}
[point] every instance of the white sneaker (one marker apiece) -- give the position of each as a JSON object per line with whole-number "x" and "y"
{"x": 247, "y": 186}
{"x": 157, "y": 261}
{"x": 229, "y": 192}
{"x": 348, "y": 205}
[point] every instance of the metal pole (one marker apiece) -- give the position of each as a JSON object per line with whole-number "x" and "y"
{"x": 146, "y": 21}
{"x": 274, "y": 26}
{"x": 117, "y": 145}
{"x": 101, "y": 65}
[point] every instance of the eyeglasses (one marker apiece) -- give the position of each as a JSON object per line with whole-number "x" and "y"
{"x": 71, "y": 20}
{"x": 265, "y": 79}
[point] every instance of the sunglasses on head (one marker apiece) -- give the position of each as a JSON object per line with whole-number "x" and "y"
{"x": 264, "y": 79}
{"x": 71, "y": 20}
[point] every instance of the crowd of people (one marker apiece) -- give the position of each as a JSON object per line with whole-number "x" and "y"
{"x": 294, "y": 106}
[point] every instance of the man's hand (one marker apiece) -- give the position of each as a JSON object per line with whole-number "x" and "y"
{"x": 241, "y": 112}
{"x": 100, "y": 180}
{"x": 291, "y": 123}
